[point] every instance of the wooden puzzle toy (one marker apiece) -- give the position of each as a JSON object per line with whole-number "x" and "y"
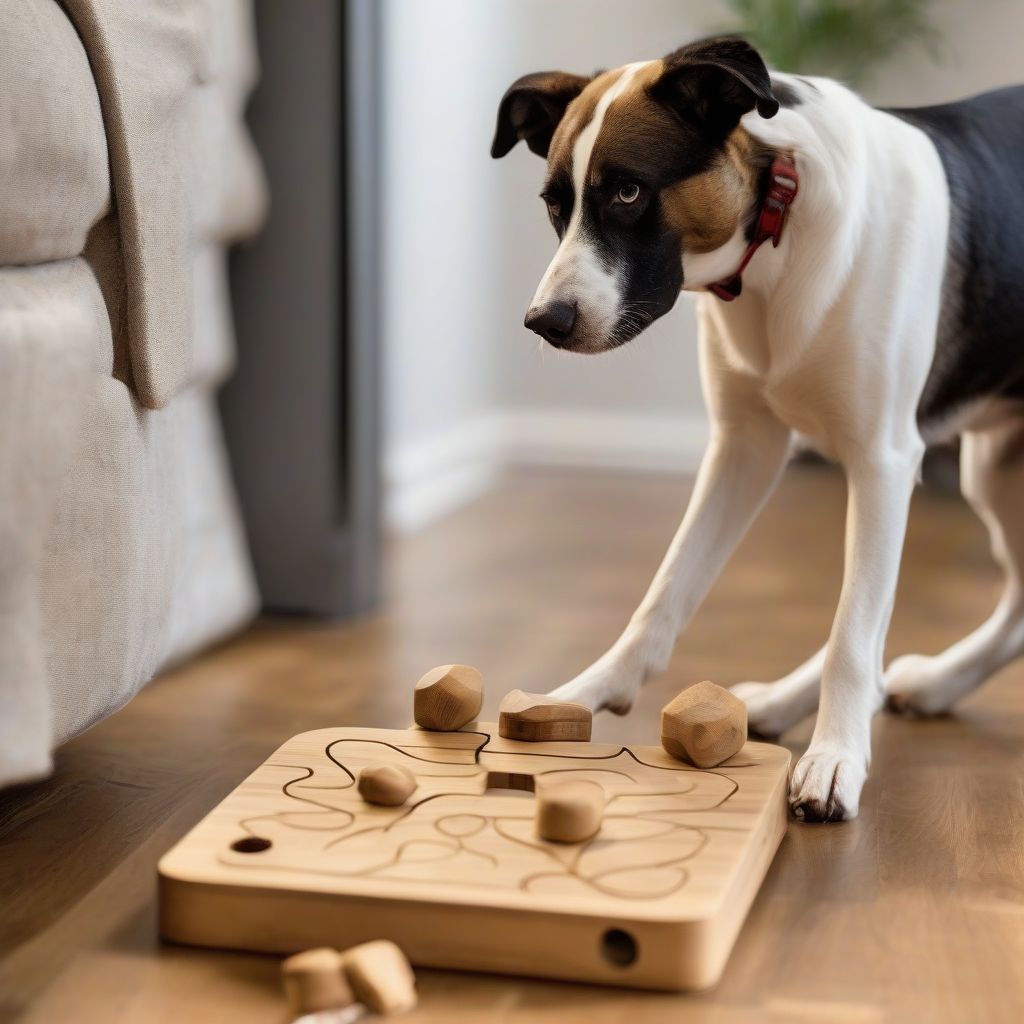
{"x": 458, "y": 876}
{"x": 704, "y": 725}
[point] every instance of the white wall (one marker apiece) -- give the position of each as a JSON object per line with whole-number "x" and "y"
{"x": 980, "y": 49}
{"x": 467, "y": 240}
{"x": 442, "y": 268}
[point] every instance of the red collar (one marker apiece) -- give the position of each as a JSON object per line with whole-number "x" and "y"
{"x": 781, "y": 193}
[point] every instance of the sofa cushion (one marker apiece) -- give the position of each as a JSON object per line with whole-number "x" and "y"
{"x": 130, "y": 549}
{"x": 52, "y": 329}
{"x": 120, "y": 543}
{"x": 53, "y": 152}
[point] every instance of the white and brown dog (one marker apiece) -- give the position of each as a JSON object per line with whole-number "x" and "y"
{"x": 889, "y": 315}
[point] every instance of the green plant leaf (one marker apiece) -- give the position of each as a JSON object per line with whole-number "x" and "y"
{"x": 845, "y": 39}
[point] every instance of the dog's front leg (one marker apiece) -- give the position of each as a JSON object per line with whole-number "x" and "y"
{"x": 827, "y": 780}
{"x": 738, "y": 471}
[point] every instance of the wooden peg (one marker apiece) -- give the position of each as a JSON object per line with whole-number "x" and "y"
{"x": 536, "y": 717}
{"x": 388, "y": 785}
{"x": 448, "y": 697}
{"x": 315, "y": 980}
{"x": 569, "y": 811}
{"x": 381, "y": 977}
{"x": 704, "y": 725}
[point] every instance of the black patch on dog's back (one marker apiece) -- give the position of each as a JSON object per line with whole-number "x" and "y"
{"x": 980, "y": 345}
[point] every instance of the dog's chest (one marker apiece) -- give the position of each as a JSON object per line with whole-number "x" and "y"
{"x": 799, "y": 383}
{"x": 810, "y": 404}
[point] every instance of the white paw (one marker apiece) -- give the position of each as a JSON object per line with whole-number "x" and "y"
{"x": 770, "y": 710}
{"x": 610, "y": 684}
{"x": 919, "y": 685}
{"x": 826, "y": 784}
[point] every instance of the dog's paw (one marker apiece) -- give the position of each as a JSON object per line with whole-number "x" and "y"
{"x": 608, "y": 685}
{"x": 826, "y": 784}
{"x": 919, "y": 685}
{"x": 770, "y": 711}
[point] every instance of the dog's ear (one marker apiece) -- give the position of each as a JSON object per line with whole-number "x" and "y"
{"x": 714, "y": 82}
{"x": 532, "y": 108}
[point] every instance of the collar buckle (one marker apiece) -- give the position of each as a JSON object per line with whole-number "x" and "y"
{"x": 785, "y": 183}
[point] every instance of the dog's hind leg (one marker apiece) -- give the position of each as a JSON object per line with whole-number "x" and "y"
{"x": 773, "y": 707}
{"x": 992, "y": 480}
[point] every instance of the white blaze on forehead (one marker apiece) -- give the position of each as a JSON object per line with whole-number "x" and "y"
{"x": 576, "y": 274}
{"x": 583, "y": 150}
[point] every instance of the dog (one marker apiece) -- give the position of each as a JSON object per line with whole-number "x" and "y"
{"x": 888, "y": 314}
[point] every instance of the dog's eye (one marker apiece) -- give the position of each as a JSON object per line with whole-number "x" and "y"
{"x": 629, "y": 193}
{"x": 554, "y": 207}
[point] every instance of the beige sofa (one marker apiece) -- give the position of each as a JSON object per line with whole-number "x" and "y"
{"x": 125, "y": 172}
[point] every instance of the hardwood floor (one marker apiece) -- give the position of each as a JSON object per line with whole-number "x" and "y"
{"x": 915, "y": 911}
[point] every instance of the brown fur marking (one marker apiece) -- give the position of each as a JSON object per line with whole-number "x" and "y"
{"x": 578, "y": 115}
{"x": 706, "y": 208}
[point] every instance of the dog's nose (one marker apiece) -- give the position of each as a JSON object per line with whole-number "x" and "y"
{"x": 553, "y": 322}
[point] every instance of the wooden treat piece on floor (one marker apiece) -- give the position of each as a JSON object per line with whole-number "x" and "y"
{"x": 569, "y": 811}
{"x": 388, "y": 785}
{"x": 380, "y": 976}
{"x": 704, "y": 725}
{"x": 343, "y": 1015}
{"x": 315, "y": 980}
{"x": 536, "y": 717}
{"x": 448, "y": 697}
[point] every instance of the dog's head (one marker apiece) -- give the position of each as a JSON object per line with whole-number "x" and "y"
{"x": 647, "y": 164}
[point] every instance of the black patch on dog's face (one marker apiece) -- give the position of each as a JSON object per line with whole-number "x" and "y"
{"x": 643, "y": 148}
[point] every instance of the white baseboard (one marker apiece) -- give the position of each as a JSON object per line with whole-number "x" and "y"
{"x": 427, "y": 479}
{"x": 615, "y": 441}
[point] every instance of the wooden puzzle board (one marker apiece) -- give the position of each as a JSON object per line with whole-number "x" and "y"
{"x": 293, "y": 858}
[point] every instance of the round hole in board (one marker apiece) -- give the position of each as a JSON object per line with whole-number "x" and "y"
{"x": 251, "y": 844}
{"x": 619, "y": 947}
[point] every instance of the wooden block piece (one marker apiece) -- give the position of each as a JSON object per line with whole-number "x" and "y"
{"x": 704, "y": 725}
{"x": 536, "y": 717}
{"x": 315, "y": 980}
{"x": 569, "y": 811}
{"x": 388, "y": 785}
{"x": 448, "y": 697}
{"x": 380, "y": 976}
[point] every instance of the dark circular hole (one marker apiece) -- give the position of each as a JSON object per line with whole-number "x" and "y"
{"x": 618, "y": 947}
{"x": 251, "y": 844}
